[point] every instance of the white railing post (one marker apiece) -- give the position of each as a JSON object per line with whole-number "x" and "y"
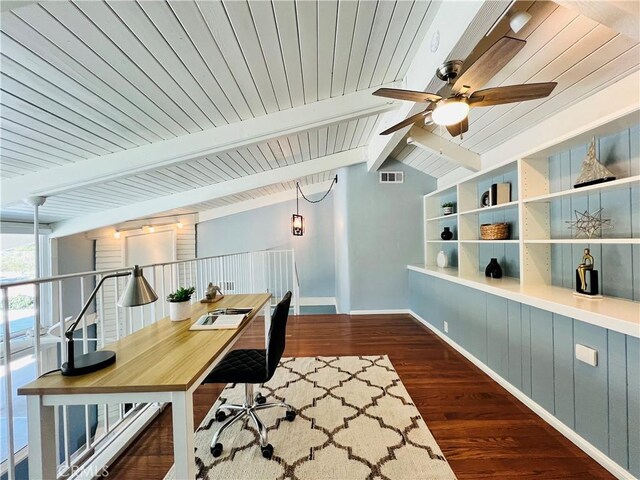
{"x": 8, "y": 390}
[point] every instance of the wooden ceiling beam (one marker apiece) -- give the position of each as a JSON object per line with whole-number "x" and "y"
{"x": 451, "y": 151}
{"x": 181, "y": 149}
{"x": 195, "y": 196}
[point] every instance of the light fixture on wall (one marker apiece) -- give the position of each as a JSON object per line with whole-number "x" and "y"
{"x": 297, "y": 220}
{"x": 116, "y": 234}
{"x": 180, "y": 225}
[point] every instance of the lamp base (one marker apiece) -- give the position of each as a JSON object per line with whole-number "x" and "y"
{"x": 89, "y": 362}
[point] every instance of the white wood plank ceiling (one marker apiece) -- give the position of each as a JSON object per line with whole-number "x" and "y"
{"x": 276, "y": 153}
{"x": 84, "y": 79}
{"x": 580, "y": 54}
{"x": 88, "y": 78}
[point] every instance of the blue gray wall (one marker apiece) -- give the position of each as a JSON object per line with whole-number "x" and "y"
{"x": 341, "y": 242}
{"x": 383, "y": 234}
{"x": 269, "y": 228}
{"x": 620, "y": 153}
{"x": 533, "y": 350}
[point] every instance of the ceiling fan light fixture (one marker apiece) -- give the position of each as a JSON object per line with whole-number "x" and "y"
{"x": 450, "y": 112}
{"x": 519, "y": 20}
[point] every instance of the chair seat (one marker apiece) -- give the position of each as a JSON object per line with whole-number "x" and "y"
{"x": 241, "y": 366}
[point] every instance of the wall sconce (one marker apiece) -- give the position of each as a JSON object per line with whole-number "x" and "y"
{"x": 116, "y": 234}
{"x": 179, "y": 225}
{"x": 297, "y": 225}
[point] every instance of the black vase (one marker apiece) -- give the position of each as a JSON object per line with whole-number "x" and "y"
{"x": 493, "y": 270}
{"x": 446, "y": 234}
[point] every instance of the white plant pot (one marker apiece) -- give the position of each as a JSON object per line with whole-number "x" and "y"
{"x": 447, "y": 210}
{"x": 179, "y": 311}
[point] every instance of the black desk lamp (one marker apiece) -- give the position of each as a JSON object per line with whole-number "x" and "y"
{"x": 137, "y": 292}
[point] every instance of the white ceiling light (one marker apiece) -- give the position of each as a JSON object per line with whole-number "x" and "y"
{"x": 519, "y": 20}
{"x": 450, "y": 112}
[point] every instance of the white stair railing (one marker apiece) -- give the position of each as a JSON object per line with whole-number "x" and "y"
{"x": 87, "y": 432}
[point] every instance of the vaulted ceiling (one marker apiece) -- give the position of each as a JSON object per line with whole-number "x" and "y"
{"x": 563, "y": 46}
{"x": 121, "y": 109}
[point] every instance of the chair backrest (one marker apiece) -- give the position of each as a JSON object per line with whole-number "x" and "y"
{"x": 277, "y": 334}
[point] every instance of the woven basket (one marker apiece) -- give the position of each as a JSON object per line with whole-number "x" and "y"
{"x": 494, "y": 231}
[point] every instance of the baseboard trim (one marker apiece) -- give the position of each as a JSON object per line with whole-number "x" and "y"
{"x": 316, "y": 301}
{"x": 381, "y": 312}
{"x": 574, "y": 437}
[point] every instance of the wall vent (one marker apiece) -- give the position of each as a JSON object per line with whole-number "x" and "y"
{"x": 391, "y": 177}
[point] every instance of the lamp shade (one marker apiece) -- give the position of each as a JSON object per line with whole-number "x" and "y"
{"x": 138, "y": 291}
{"x": 450, "y": 112}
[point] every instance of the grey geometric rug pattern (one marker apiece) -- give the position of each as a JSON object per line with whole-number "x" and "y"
{"x": 355, "y": 420}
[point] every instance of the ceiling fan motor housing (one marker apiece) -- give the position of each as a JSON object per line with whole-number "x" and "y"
{"x": 449, "y": 70}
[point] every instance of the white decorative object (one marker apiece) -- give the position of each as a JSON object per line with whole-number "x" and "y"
{"x": 179, "y": 311}
{"x": 442, "y": 260}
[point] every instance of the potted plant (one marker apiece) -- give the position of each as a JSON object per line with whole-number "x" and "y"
{"x": 447, "y": 208}
{"x": 180, "y": 303}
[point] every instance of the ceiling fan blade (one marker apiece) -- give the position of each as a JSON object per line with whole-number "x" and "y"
{"x": 511, "y": 94}
{"x": 407, "y": 121}
{"x": 409, "y": 95}
{"x": 459, "y": 128}
{"x": 489, "y": 64}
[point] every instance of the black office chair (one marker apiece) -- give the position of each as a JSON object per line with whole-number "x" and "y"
{"x": 252, "y": 366}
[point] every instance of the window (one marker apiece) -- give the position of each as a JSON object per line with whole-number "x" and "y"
{"x": 17, "y": 263}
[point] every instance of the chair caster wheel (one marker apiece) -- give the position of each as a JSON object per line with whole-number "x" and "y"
{"x": 290, "y": 416}
{"x": 216, "y": 450}
{"x": 260, "y": 399}
{"x": 267, "y": 451}
{"x": 220, "y": 415}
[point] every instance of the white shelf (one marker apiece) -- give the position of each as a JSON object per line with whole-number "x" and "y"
{"x": 442, "y": 217}
{"x": 600, "y": 187}
{"x": 441, "y": 241}
{"x": 611, "y": 313}
{"x": 595, "y": 241}
{"x": 491, "y": 208}
{"x": 489, "y": 241}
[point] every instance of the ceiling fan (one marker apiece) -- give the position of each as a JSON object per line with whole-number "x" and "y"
{"x": 450, "y": 106}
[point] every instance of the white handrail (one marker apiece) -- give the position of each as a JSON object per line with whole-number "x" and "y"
{"x": 273, "y": 271}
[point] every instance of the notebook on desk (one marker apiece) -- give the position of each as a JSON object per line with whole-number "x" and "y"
{"x": 221, "y": 318}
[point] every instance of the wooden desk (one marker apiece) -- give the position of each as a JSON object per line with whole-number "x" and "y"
{"x": 164, "y": 362}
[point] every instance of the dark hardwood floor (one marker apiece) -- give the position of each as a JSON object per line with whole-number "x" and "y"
{"x": 482, "y": 429}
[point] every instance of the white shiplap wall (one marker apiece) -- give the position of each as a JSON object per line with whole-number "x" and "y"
{"x": 110, "y": 255}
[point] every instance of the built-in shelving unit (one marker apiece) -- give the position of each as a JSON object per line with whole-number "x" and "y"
{"x": 540, "y": 256}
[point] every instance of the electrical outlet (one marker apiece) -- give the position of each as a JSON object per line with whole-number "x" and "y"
{"x": 446, "y": 327}
{"x": 587, "y": 355}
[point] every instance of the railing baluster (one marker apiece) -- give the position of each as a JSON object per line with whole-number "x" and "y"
{"x": 8, "y": 388}
{"x": 85, "y": 342}
{"x": 65, "y": 435}
{"x": 36, "y": 329}
{"x": 153, "y": 305}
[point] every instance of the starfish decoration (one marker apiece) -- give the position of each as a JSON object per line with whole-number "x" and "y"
{"x": 589, "y": 223}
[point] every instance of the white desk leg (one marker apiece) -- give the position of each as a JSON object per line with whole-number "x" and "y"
{"x": 183, "y": 445}
{"x": 42, "y": 439}
{"x": 267, "y": 322}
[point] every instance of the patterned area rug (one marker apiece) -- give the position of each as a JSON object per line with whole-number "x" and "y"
{"x": 355, "y": 421}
